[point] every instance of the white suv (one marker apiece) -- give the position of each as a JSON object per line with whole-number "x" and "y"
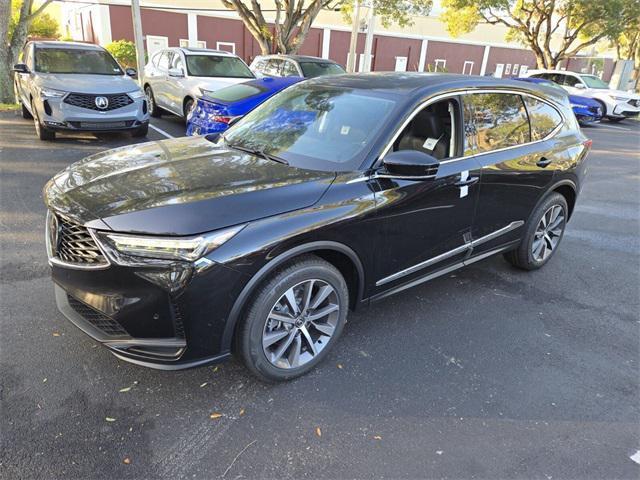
{"x": 616, "y": 104}
{"x": 175, "y": 77}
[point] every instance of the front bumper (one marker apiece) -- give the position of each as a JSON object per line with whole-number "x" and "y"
{"x": 56, "y": 114}
{"x": 625, "y": 110}
{"x": 169, "y": 318}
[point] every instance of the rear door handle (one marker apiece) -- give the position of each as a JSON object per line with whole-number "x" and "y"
{"x": 543, "y": 162}
{"x": 467, "y": 182}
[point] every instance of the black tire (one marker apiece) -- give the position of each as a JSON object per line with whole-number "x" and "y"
{"x": 249, "y": 336}
{"x": 523, "y": 257}
{"x": 42, "y": 132}
{"x": 615, "y": 119}
{"x": 141, "y": 131}
{"x": 154, "y": 109}
{"x": 188, "y": 103}
{"x": 26, "y": 114}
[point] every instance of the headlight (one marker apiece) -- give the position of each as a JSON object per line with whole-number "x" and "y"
{"x": 205, "y": 92}
{"x": 136, "y": 94}
{"x": 619, "y": 99}
{"x": 51, "y": 93}
{"x": 189, "y": 249}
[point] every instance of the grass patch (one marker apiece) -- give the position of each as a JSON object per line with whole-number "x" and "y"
{"x": 6, "y": 107}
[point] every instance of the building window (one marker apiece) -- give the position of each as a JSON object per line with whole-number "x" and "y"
{"x": 226, "y": 46}
{"x": 507, "y": 69}
{"x": 514, "y": 71}
{"x": 523, "y": 70}
{"x": 467, "y": 68}
{"x": 199, "y": 43}
{"x": 440, "y": 65}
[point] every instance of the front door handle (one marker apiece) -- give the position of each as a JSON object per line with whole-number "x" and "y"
{"x": 543, "y": 162}
{"x": 469, "y": 181}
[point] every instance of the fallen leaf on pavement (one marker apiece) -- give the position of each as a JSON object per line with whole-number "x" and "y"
{"x": 126, "y": 460}
{"x": 377, "y": 437}
{"x": 204, "y": 384}
{"x": 242, "y": 411}
{"x": 110, "y": 419}
{"x": 56, "y": 334}
{"x": 125, "y": 389}
{"x": 339, "y": 366}
{"x": 215, "y": 416}
{"x": 318, "y": 431}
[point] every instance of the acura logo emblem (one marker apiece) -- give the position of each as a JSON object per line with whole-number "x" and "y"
{"x": 102, "y": 102}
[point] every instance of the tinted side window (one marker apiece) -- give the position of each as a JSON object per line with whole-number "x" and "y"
{"x": 273, "y": 67}
{"x": 543, "y": 117}
{"x": 289, "y": 69}
{"x": 570, "y": 80}
{"x": 501, "y": 120}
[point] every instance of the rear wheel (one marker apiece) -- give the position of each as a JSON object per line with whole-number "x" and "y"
{"x": 42, "y": 132}
{"x": 154, "y": 110}
{"x": 543, "y": 232}
{"x": 295, "y": 318}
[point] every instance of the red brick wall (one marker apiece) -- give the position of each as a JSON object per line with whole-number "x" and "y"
{"x": 154, "y": 22}
{"x": 512, "y": 56}
{"x": 386, "y": 49}
{"x": 313, "y": 43}
{"x": 339, "y": 46}
{"x": 213, "y": 30}
{"x": 455, "y": 54}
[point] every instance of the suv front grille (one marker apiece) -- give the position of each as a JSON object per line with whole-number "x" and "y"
{"x": 86, "y": 100}
{"x": 99, "y": 320}
{"x": 73, "y": 244}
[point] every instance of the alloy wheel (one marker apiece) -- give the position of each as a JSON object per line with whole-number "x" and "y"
{"x": 548, "y": 233}
{"x": 300, "y": 324}
{"x": 150, "y": 101}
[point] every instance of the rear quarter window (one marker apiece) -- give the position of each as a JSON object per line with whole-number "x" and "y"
{"x": 543, "y": 117}
{"x": 500, "y": 120}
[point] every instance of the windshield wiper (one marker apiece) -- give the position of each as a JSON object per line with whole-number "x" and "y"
{"x": 259, "y": 153}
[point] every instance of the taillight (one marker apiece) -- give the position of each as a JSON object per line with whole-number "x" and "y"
{"x": 588, "y": 143}
{"x": 222, "y": 118}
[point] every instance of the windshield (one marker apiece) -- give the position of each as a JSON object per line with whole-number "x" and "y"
{"x": 217, "y": 66}
{"x": 316, "y": 69}
{"x": 235, "y": 93}
{"x": 75, "y": 60}
{"x": 314, "y": 126}
{"x": 594, "y": 82}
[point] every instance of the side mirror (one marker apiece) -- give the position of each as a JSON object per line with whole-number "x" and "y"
{"x": 132, "y": 72}
{"x": 411, "y": 164}
{"x": 176, "y": 72}
{"x": 579, "y": 86}
{"x": 20, "y": 68}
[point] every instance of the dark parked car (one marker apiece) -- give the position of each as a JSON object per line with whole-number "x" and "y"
{"x": 335, "y": 193}
{"x": 294, "y": 66}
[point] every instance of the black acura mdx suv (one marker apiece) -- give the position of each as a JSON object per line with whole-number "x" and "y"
{"x": 332, "y": 194}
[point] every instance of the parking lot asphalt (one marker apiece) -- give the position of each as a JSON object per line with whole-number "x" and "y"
{"x": 489, "y": 372}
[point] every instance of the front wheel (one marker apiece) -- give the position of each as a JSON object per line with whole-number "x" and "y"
{"x": 42, "y": 132}
{"x": 26, "y": 114}
{"x": 154, "y": 110}
{"x": 543, "y": 232}
{"x": 295, "y": 318}
{"x": 615, "y": 119}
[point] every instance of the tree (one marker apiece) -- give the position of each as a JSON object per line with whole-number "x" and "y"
{"x": 293, "y": 18}
{"x": 124, "y": 52}
{"x": 554, "y": 29}
{"x": 13, "y": 34}
{"x": 627, "y": 43}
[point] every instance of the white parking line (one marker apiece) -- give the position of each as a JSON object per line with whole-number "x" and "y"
{"x": 614, "y": 127}
{"x": 160, "y": 131}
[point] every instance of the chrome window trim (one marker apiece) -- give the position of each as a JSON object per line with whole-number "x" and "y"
{"x": 443, "y": 256}
{"x": 466, "y": 91}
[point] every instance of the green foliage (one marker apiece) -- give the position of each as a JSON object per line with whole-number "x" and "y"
{"x": 392, "y": 11}
{"x": 42, "y": 26}
{"x": 569, "y": 25}
{"x": 124, "y": 52}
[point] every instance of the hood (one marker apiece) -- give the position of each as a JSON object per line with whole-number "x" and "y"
{"x": 78, "y": 83}
{"x": 616, "y": 93}
{"x": 182, "y": 186}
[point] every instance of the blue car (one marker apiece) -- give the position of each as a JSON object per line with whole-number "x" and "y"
{"x": 586, "y": 110}
{"x": 213, "y": 113}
